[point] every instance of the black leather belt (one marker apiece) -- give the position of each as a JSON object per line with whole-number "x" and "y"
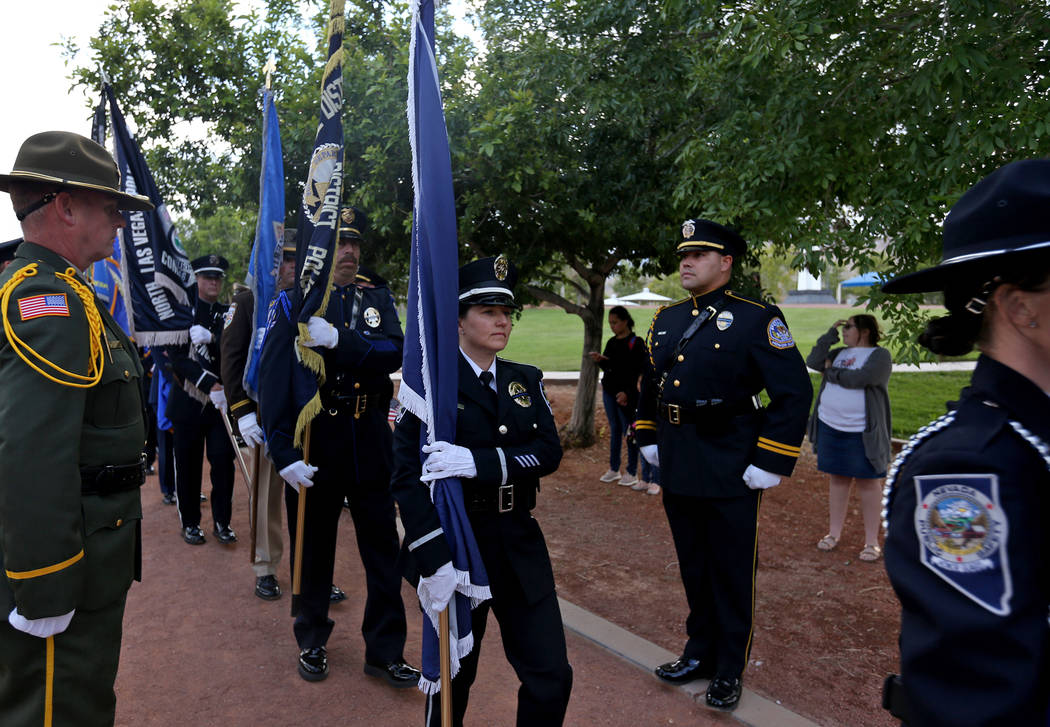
{"x": 356, "y": 404}
{"x": 499, "y": 499}
{"x": 112, "y": 478}
{"x": 705, "y": 409}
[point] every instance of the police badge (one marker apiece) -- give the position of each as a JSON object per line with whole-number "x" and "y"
{"x": 347, "y": 215}
{"x": 724, "y": 320}
{"x": 688, "y": 228}
{"x": 519, "y": 394}
{"x": 500, "y": 267}
{"x": 372, "y": 317}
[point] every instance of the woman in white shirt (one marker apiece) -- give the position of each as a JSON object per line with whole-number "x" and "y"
{"x": 850, "y": 425}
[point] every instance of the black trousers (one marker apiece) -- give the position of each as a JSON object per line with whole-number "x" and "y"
{"x": 717, "y": 546}
{"x": 190, "y": 439}
{"x": 534, "y": 643}
{"x": 372, "y": 509}
{"x": 166, "y": 461}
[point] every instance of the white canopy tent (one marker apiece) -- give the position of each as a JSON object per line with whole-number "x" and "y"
{"x": 646, "y": 296}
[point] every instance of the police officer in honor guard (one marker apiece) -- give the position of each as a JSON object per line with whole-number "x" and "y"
{"x": 506, "y": 440}
{"x": 718, "y": 448}
{"x": 966, "y": 547}
{"x": 350, "y": 456}
{"x": 71, "y": 434}
{"x": 237, "y": 339}
{"x": 196, "y": 404}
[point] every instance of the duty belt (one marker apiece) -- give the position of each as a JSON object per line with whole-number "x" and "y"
{"x": 356, "y": 404}
{"x": 502, "y": 499}
{"x": 112, "y": 478}
{"x": 708, "y": 408}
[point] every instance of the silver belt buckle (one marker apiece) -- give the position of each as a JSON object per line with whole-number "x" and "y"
{"x": 505, "y": 498}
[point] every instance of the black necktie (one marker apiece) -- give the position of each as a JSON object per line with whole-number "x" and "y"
{"x": 486, "y": 381}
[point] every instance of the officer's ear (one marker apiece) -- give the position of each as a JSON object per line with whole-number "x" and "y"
{"x": 726, "y": 263}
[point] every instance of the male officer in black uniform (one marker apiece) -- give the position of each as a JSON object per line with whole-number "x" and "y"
{"x": 506, "y": 440}
{"x": 71, "y": 434}
{"x": 361, "y": 340}
{"x": 196, "y": 403}
{"x": 710, "y": 356}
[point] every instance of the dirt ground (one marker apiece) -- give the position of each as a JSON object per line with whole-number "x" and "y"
{"x": 199, "y": 647}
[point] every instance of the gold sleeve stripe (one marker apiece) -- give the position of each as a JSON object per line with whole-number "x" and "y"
{"x": 777, "y": 450}
{"x": 239, "y": 404}
{"x": 644, "y": 424}
{"x": 27, "y": 574}
{"x": 781, "y": 445}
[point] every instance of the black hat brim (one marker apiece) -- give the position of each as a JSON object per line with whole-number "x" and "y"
{"x": 491, "y": 299}
{"x": 969, "y": 267}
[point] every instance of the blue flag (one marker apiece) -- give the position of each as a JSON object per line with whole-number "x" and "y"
{"x": 318, "y": 223}
{"x": 106, "y": 275}
{"x": 269, "y": 239}
{"x": 155, "y": 270}
{"x": 429, "y": 382}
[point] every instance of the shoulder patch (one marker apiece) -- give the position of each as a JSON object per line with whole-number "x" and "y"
{"x": 963, "y": 532}
{"x": 778, "y": 333}
{"x": 227, "y": 317}
{"x": 45, "y": 304}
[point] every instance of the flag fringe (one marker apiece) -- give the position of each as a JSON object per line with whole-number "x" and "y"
{"x": 306, "y": 415}
{"x": 160, "y": 338}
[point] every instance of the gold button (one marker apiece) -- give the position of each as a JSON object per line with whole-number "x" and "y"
{"x": 677, "y": 382}
{"x": 535, "y": 425}
{"x": 357, "y": 385}
{"x": 345, "y": 324}
{"x": 718, "y": 345}
{"x": 696, "y": 312}
{"x": 502, "y": 428}
{"x": 656, "y": 344}
{"x": 681, "y": 357}
{"x": 126, "y": 374}
{"x": 119, "y": 522}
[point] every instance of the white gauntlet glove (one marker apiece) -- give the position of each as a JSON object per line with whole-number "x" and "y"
{"x": 651, "y": 452}
{"x": 199, "y": 334}
{"x": 298, "y": 473}
{"x": 322, "y": 333}
{"x": 759, "y": 479}
{"x": 248, "y": 426}
{"x": 218, "y": 399}
{"x": 447, "y": 460}
{"x": 40, "y": 627}
{"x": 438, "y": 588}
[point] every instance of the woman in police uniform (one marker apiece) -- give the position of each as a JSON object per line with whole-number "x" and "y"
{"x": 505, "y": 441}
{"x": 966, "y": 549}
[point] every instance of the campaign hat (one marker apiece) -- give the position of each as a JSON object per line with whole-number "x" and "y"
{"x": 488, "y": 281}
{"x": 1002, "y": 220}
{"x": 699, "y": 235}
{"x": 70, "y": 160}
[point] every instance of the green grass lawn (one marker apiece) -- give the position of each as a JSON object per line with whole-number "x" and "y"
{"x": 553, "y": 340}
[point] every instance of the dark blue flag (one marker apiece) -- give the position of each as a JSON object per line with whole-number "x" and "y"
{"x": 106, "y": 275}
{"x": 429, "y": 382}
{"x": 156, "y": 272}
{"x": 318, "y": 221}
{"x": 269, "y": 239}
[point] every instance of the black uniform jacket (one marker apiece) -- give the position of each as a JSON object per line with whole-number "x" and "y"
{"x": 236, "y": 341}
{"x": 202, "y": 370}
{"x": 971, "y": 563}
{"x": 515, "y": 442}
{"x": 742, "y": 349}
{"x": 369, "y": 350}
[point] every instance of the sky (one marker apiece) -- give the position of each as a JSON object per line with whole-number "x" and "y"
{"x": 34, "y": 82}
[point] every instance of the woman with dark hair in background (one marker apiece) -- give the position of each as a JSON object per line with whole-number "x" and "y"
{"x": 851, "y": 422}
{"x": 622, "y": 363}
{"x": 966, "y": 545}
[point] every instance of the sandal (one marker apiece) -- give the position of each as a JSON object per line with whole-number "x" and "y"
{"x": 828, "y": 542}
{"x": 870, "y": 554}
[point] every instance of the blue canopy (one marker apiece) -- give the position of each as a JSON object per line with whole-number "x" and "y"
{"x": 864, "y": 280}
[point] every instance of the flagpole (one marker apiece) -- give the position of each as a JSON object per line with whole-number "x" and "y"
{"x": 445, "y": 656}
{"x": 300, "y": 529}
{"x": 253, "y": 511}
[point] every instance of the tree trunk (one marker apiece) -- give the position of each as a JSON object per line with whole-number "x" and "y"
{"x": 579, "y": 432}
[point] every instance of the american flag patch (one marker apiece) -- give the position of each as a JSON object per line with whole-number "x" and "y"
{"x": 49, "y": 304}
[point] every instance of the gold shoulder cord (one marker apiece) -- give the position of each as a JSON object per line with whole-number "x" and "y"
{"x": 95, "y": 361}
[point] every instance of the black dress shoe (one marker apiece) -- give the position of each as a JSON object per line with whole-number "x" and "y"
{"x": 683, "y": 670}
{"x": 193, "y": 535}
{"x": 397, "y": 674}
{"x": 313, "y": 664}
{"x": 337, "y": 594}
{"x": 168, "y": 499}
{"x": 267, "y": 589}
{"x": 225, "y": 534}
{"x": 723, "y": 693}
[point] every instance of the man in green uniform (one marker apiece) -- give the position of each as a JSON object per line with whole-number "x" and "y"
{"x": 71, "y": 437}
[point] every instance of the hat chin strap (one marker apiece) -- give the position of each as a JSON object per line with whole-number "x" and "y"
{"x": 30, "y": 209}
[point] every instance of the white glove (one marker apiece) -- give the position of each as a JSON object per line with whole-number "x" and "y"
{"x": 447, "y": 460}
{"x": 218, "y": 398}
{"x": 248, "y": 426}
{"x": 651, "y": 452}
{"x": 298, "y": 473}
{"x": 322, "y": 333}
{"x": 759, "y": 479}
{"x": 199, "y": 334}
{"x": 40, "y": 627}
{"x": 438, "y": 587}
